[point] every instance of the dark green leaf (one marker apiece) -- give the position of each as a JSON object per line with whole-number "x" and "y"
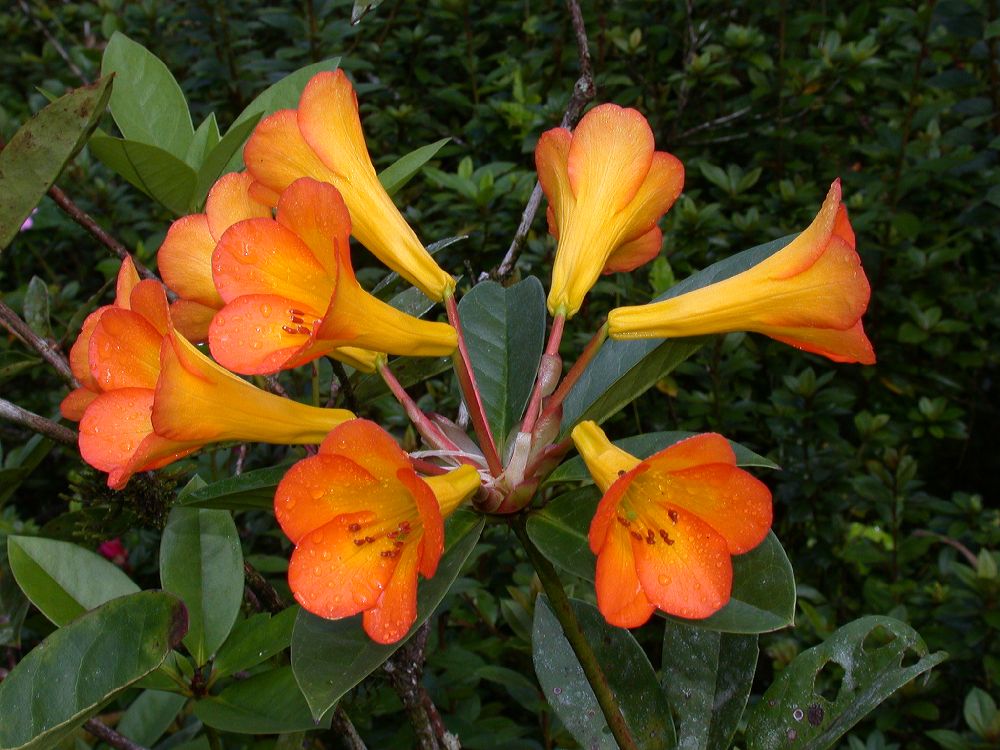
{"x": 383, "y": 288}
{"x": 332, "y": 656}
{"x": 80, "y": 667}
{"x": 255, "y": 640}
{"x": 206, "y": 137}
{"x": 215, "y": 161}
{"x": 156, "y": 172}
{"x": 628, "y": 671}
{"x": 644, "y": 446}
{"x": 147, "y": 104}
{"x": 860, "y": 664}
{"x": 505, "y": 332}
{"x": 149, "y": 716}
{"x": 707, "y": 677}
{"x": 622, "y": 370}
{"x": 37, "y": 153}
{"x": 36, "y": 307}
{"x": 362, "y": 8}
{"x": 763, "y": 595}
{"x": 403, "y": 169}
{"x": 253, "y": 490}
{"x": 267, "y": 703}
{"x": 64, "y": 580}
{"x": 201, "y": 561}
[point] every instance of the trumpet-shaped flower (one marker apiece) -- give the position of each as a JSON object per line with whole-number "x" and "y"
{"x": 323, "y": 139}
{"x": 291, "y": 295}
{"x": 667, "y": 526}
{"x": 158, "y": 398}
{"x": 364, "y": 524}
{"x": 811, "y": 294}
{"x": 607, "y": 188}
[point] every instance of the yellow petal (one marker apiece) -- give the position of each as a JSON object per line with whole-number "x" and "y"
{"x": 454, "y": 488}
{"x": 605, "y": 461}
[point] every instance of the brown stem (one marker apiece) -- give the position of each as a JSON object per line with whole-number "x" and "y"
{"x": 266, "y": 594}
{"x": 49, "y": 351}
{"x": 104, "y": 732}
{"x": 405, "y": 669}
{"x": 584, "y": 91}
{"x": 82, "y": 218}
{"x": 17, "y": 415}
{"x": 346, "y": 732}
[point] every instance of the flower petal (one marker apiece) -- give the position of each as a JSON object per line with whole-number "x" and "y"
{"x": 692, "y": 575}
{"x": 551, "y": 158}
{"x": 851, "y": 345}
{"x": 662, "y": 186}
{"x": 707, "y": 448}
{"x": 185, "y": 260}
{"x": 79, "y": 353}
{"x": 76, "y": 403}
{"x": 127, "y": 279}
{"x": 432, "y": 542}
{"x": 149, "y": 300}
{"x": 805, "y": 249}
{"x": 396, "y": 611}
{"x": 229, "y": 201}
{"x": 610, "y": 156}
{"x": 277, "y": 155}
{"x": 124, "y": 351}
{"x": 316, "y": 213}
{"x": 619, "y": 592}
{"x": 192, "y": 319}
{"x": 634, "y": 253}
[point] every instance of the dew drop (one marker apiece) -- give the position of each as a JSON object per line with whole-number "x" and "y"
{"x": 255, "y": 345}
{"x": 265, "y": 310}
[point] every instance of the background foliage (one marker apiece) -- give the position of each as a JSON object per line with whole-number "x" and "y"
{"x": 886, "y": 502}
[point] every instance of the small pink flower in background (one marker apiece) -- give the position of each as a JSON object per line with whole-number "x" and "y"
{"x": 30, "y": 221}
{"x": 115, "y": 551}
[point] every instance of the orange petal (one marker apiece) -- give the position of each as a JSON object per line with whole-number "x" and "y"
{"x": 276, "y": 154}
{"x": 79, "y": 353}
{"x": 185, "y": 260}
{"x": 619, "y": 593}
{"x": 805, "y": 249}
{"x": 317, "y": 490}
{"x": 662, "y": 186}
{"x": 851, "y": 345}
{"x": 634, "y": 253}
{"x": 316, "y": 213}
{"x": 255, "y": 335}
{"x": 603, "y": 521}
{"x": 551, "y": 161}
{"x": 149, "y": 300}
{"x": 192, "y": 319}
{"x": 610, "y": 156}
{"x": 263, "y": 194}
{"x": 76, "y": 403}
{"x": 707, "y": 448}
{"x": 229, "y": 201}
{"x": 692, "y": 576}
{"x": 260, "y": 256}
{"x": 432, "y": 543}
{"x": 396, "y": 611}
{"x": 128, "y": 277}
{"x": 370, "y": 446}
{"x": 332, "y": 576}
{"x": 124, "y": 351}
{"x": 329, "y": 122}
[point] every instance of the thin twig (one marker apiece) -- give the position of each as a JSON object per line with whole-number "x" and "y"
{"x": 49, "y": 351}
{"x": 104, "y": 732}
{"x": 345, "y": 387}
{"x": 82, "y": 218}
{"x": 724, "y": 119}
{"x": 953, "y": 543}
{"x": 266, "y": 594}
{"x": 584, "y": 91}
{"x": 54, "y": 42}
{"x": 17, "y": 415}
{"x": 345, "y": 730}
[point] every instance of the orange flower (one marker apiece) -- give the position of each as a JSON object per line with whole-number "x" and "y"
{"x": 291, "y": 295}
{"x": 667, "y": 526}
{"x": 810, "y": 294}
{"x": 364, "y": 524}
{"x": 607, "y": 188}
{"x": 153, "y": 398}
{"x": 185, "y": 257}
{"x": 323, "y": 139}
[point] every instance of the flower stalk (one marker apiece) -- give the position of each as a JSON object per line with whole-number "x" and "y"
{"x": 586, "y": 357}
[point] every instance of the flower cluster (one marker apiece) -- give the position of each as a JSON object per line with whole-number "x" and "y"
{"x": 264, "y": 277}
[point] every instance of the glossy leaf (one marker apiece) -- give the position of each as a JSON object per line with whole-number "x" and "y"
{"x": 400, "y": 172}
{"x": 860, "y": 665}
{"x": 202, "y": 563}
{"x": 622, "y": 370}
{"x": 644, "y": 446}
{"x": 62, "y": 579}
{"x": 147, "y": 103}
{"x": 763, "y": 595}
{"x": 61, "y": 683}
{"x": 707, "y": 677}
{"x": 628, "y": 671}
{"x": 255, "y": 640}
{"x": 332, "y": 656}
{"x": 36, "y": 154}
{"x": 252, "y": 490}
{"x": 266, "y": 703}
{"x": 149, "y": 716}
{"x": 156, "y": 172}
{"x": 505, "y": 332}
{"x": 206, "y": 137}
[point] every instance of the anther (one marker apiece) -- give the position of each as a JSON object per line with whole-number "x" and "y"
{"x": 288, "y": 329}
{"x": 673, "y": 515}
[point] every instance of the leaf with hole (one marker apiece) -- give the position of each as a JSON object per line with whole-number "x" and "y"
{"x": 37, "y": 153}
{"x": 629, "y": 674}
{"x": 332, "y": 656}
{"x": 202, "y": 563}
{"x": 64, "y": 681}
{"x": 829, "y": 688}
{"x": 505, "y": 332}
{"x": 707, "y": 676}
{"x": 62, "y": 579}
{"x": 763, "y": 594}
